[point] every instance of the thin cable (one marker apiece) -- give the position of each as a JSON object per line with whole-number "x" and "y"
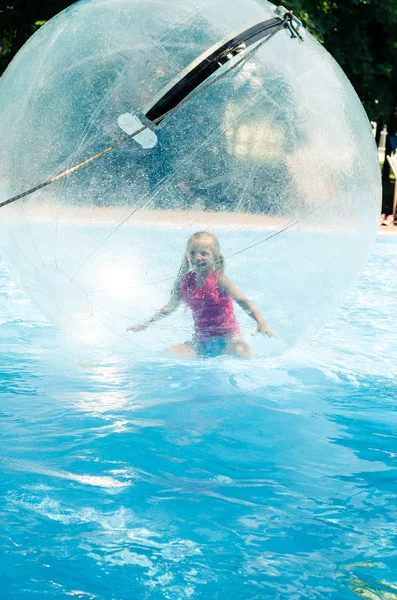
{"x": 276, "y": 233}
{"x": 283, "y": 23}
{"x": 244, "y": 249}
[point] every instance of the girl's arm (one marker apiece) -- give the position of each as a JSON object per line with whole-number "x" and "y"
{"x": 227, "y": 286}
{"x": 166, "y": 310}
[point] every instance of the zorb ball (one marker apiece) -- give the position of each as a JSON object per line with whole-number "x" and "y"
{"x": 244, "y": 127}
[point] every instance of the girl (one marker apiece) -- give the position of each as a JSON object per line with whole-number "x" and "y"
{"x": 202, "y": 285}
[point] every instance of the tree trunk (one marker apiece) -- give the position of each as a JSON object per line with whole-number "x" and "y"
{"x": 377, "y": 134}
{"x": 388, "y": 186}
{"x": 24, "y": 17}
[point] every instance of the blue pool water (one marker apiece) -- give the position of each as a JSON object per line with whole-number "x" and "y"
{"x": 217, "y": 480}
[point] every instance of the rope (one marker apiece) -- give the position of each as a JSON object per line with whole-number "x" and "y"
{"x": 285, "y": 22}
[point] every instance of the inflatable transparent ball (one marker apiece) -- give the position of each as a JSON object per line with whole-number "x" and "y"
{"x": 273, "y": 154}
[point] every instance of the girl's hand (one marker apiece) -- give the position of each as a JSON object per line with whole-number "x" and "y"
{"x": 136, "y": 328}
{"x": 263, "y": 329}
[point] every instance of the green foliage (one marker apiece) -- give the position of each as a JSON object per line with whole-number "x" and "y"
{"x": 361, "y": 36}
{"x": 19, "y": 19}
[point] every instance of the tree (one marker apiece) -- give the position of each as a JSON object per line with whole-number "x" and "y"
{"x": 361, "y": 36}
{"x": 19, "y": 19}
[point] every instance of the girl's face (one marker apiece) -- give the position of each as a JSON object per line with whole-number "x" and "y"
{"x": 201, "y": 256}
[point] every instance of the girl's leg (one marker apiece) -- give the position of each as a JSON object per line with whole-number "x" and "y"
{"x": 238, "y": 348}
{"x": 182, "y": 351}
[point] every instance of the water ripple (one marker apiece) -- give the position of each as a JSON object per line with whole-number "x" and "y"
{"x": 217, "y": 480}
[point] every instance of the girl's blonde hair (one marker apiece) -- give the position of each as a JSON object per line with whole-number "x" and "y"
{"x": 216, "y": 251}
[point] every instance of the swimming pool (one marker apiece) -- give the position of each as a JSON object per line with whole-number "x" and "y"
{"x": 217, "y": 480}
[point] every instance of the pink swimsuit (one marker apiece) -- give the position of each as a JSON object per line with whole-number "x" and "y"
{"x": 212, "y": 309}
